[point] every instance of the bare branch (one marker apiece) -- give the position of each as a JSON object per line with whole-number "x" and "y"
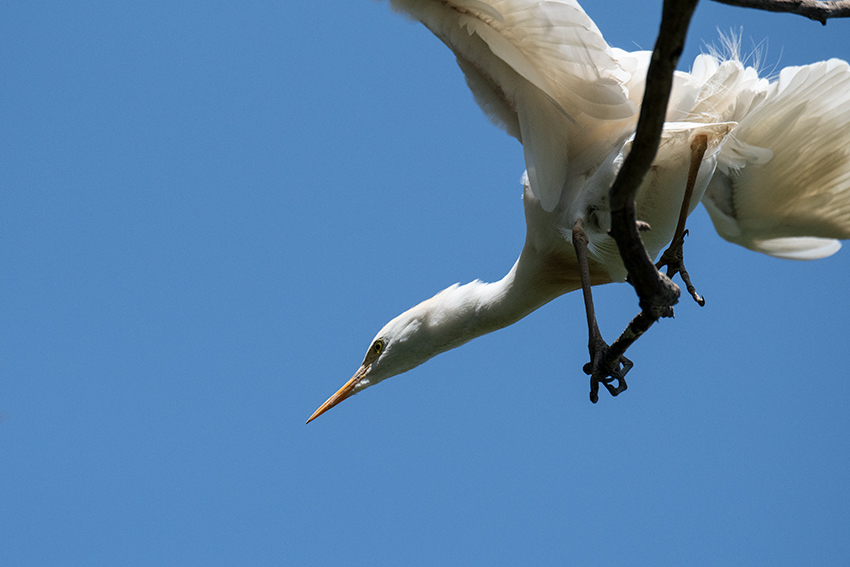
{"x": 656, "y": 292}
{"x": 812, "y": 9}
{"x": 637, "y": 327}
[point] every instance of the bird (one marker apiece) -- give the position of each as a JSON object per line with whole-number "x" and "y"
{"x": 774, "y": 174}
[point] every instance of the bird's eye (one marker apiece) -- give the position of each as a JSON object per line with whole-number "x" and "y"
{"x": 378, "y": 346}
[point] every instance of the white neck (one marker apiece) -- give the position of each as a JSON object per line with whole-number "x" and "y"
{"x": 461, "y": 313}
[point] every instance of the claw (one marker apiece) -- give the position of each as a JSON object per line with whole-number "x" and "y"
{"x": 674, "y": 256}
{"x": 607, "y": 377}
{"x": 674, "y": 259}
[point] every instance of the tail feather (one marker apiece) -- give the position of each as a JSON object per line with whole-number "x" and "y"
{"x": 795, "y": 203}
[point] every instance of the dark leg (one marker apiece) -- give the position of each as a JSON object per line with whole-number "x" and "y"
{"x": 596, "y": 345}
{"x": 674, "y": 257}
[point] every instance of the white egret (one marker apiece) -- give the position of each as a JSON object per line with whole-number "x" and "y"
{"x": 775, "y": 175}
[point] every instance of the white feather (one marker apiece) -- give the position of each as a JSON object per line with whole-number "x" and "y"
{"x": 785, "y": 178}
{"x": 542, "y": 71}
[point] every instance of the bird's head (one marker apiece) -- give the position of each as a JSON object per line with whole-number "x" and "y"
{"x": 404, "y": 343}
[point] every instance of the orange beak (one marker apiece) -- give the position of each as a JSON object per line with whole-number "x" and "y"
{"x": 345, "y": 392}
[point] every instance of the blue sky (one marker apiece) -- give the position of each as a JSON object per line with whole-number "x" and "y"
{"x": 207, "y": 213}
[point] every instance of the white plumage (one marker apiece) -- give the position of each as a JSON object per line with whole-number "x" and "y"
{"x": 775, "y": 177}
{"x": 794, "y": 201}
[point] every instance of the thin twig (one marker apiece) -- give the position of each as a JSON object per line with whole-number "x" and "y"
{"x": 812, "y": 9}
{"x": 637, "y": 327}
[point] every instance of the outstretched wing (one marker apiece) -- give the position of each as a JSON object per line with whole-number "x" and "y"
{"x": 783, "y": 182}
{"x": 541, "y": 70}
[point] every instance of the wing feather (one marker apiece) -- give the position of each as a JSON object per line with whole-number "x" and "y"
{"x": 783, "y": 185}
{"x": 542, "y": 70}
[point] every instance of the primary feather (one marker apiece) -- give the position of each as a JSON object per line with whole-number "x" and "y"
{"x": 544, "y": 72}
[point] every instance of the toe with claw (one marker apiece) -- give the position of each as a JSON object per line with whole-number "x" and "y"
{"x": 674, "y": 256}
{"x": 674, "y": 259}
{"x": 611, "y": 375}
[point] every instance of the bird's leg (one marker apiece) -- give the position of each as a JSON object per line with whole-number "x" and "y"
{"x": 595, "y": 341}
{"x": 613, "y": 357}
{"x": 596, "y": 345}
{"x": 674, "y": 257}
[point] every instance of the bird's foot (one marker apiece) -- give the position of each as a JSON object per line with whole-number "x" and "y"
{"x": 674, "y": 259}
{"x": 607, "y": 365}
{"x": 674, "y": 256}
{"x": 611, "y": 374}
